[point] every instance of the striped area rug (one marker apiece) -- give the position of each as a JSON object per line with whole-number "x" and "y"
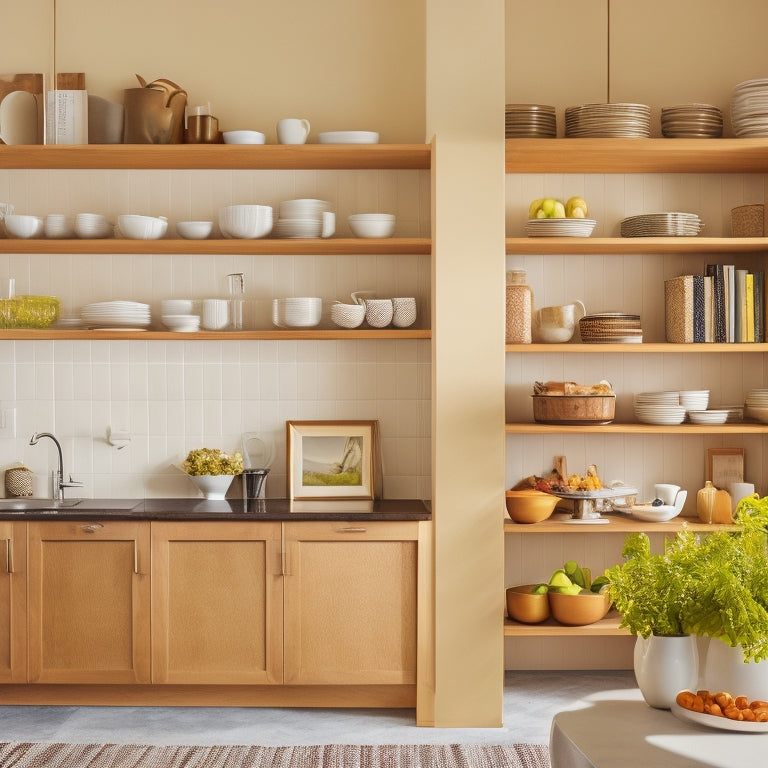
{"x": 55, "y": 755}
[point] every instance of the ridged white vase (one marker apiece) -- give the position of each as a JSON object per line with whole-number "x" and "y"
{"x": 723, "y": 669}
{"x": 664, "y": 666}
{"x": 213, "y": 487}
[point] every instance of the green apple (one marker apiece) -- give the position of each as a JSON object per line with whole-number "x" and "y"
{"x": 551, "y": 209}
{"x": 560, "y": 579}
{"x": 573, "y": 589}
{"x": 534, "y": 207}
{"x": 576, "y": 208}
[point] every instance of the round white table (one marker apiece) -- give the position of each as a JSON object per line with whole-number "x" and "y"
{"x": 617, "y": 729}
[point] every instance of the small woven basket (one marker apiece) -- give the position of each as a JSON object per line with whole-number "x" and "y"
{"x": 748, "y": 221}
{"x": 18, "y": 481}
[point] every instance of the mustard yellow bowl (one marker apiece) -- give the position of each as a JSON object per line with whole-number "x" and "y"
{"x": 29, "y": 311}
{"x": 525, "y": 606}
{"x": 530, "y": 506}
{"x": 577, "y": 610}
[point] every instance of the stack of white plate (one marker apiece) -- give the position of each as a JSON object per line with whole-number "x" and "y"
{"x": 559, "y": 227}
{"x": 756, "y": 405}
{"x": 610, "y": 328}
{"x": 694, "y": 399}
{"x": 691, "y": 121}
{"x": 659, "y": 408}
{"x": 749, "y": 109}
{"x": 530, "y": 121}
{"x": 628, "y": 121}
{"x": 123, "y": 315}
{"x": 672, "y": 224}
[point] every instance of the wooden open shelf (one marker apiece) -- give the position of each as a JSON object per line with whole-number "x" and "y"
{"x": 619, "y": 246}
{"x": 632, "y": 428}
{"x": 550, "y": 628}
{"x": 616, "y": 524}
{"x": 662, "y": 347}
{"x": 219, "y": 156}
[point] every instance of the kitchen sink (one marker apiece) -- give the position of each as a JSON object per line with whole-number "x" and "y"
{"x": 62, "y": 506}
{"x": 36, "y": 505}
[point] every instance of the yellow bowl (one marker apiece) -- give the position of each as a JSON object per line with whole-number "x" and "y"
{"x": 29, "y": 311}
{"x": 530, "y": 506}
{"x": 577, "y": 610}
{"x": 526, "y": 607}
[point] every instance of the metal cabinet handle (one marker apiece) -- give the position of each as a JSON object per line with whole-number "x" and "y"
{"x": 351, "y": 529}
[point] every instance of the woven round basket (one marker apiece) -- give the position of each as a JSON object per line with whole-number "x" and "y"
{"x": 747, "y": 221}
{"x": 18, "y": 481}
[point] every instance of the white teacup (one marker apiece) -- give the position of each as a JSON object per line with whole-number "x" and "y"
{"x": 739, "y": 491}
{"x": 403, "y": 311}
{"x": 667, "y": 492}
{"x": 292, "y": 130}
{"x": 215, "y": 314}
{"x": 378, "y": 312}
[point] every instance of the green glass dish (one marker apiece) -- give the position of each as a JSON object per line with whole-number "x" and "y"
{"x": 29, "y": 311}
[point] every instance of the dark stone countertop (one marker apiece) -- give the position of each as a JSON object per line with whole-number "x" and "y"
{"x": 202, "y": 509}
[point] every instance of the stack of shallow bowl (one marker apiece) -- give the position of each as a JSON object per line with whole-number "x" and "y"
{"x": 659, "y": 408}
{"x": 530, "y": 121}
{"x": 125, "y": 315}
{"x": 628, "y": 121}
{"x": 671, "y": 224}
{"x": 559, "y": 227}
{"x": 756, "y": 405}
{"x": 691, "y": 121}
{"x": 610, "y": 328}
{"x": 749, "y": 109}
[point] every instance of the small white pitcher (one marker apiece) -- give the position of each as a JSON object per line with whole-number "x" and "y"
{"x": 555, "y": 325}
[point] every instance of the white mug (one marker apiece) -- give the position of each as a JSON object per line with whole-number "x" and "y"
{"x": 328, "y": 224}
{"x": 739, "y": 491}
{"x": 667, "y": 492}
{"x": 215, "y": 314}
{"x": 292, "y": 130}
{"x": 378, "y": 312}
{"x": 404, "y": 314}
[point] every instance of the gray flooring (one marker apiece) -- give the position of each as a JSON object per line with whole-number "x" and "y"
{"x": 530, "y": 701}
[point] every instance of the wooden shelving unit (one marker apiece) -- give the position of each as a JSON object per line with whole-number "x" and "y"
{"x": 619, "y": 246}
{"x": 619, "y": 428}
{"x": 616, "y": 524}
{"x": 609, "y": 626}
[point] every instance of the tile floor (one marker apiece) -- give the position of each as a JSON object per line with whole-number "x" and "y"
{"x": 530, "y": 700}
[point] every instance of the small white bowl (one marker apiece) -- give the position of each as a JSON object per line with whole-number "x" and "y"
{"x": 297, "y": 312}
{"x": 182, "y": 323}
{"x": 245, "y": 221}
{"x": 194, "y": 230}
{"x": 137, "y": 227}
{"x": 23, "y": 226}
{"x": 243, "y": 137}
{"x": 59, "y": 226}
{"x": 347, "y": 315}
{"x": 372, "y": 224}
{"x": 92, "y": 226}
{"x": 177, "y": 306}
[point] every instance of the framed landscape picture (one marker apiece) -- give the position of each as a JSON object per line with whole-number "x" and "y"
{"x": 724, "y": 466}
{"x": 331, "y": 459}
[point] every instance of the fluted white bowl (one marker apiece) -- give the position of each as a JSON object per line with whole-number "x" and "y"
{"x": 245, "y": 221}
{"x": 23, "y": 226}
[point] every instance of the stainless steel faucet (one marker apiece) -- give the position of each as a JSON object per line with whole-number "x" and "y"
{"x": 57, "y": 477}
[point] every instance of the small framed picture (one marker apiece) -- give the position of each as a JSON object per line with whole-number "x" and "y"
{"x": 331, "y": 459}
{"x": 724, "y": 466}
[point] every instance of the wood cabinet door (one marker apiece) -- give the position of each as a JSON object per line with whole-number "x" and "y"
{"x": 13, "y": 602}
{"x": 88, "y": 602}
{"x": 217, "y": 603}
{"x": 350, "y": 603}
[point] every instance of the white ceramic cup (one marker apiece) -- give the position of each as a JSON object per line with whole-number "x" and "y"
{"x": 292, "y": 130}
{"x": 328, "y": 224}
{"x": 378, "y": 312}
{"x": 738, "y": 492}
{"x": 215, "y": 314}
{"x": 404, "y": 311}
{"x": 667, "y": 492}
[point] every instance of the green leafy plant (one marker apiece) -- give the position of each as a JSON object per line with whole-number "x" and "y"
{"x": 711, "y": 585}
{"x": 212, "y": 461}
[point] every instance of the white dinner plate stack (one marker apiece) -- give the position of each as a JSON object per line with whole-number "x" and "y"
{"x": 559, "y": 227}
{"x": 756, "y": 405}
{"x": 749, "y": 109}
{"x": 691, "y": 121}
{"x": 623, "y": 121}
{"x": 659, "y": 408}
{"x": 530, "y": 121}
{"x": 671, "y": 224}
{"x": 116, "y": 315}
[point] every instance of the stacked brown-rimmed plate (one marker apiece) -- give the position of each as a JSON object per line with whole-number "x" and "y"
{"x": 559, "y": 227}
{"x": 628, "y": 121}
{"x": 610, "y": 328}
{"x": 691, "y": 121}
{"x": 530, "y": 121}
{"x": 749, "y": 109}
{"x": 671, "y": 224}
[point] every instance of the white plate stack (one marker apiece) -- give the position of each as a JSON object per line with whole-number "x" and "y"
{"x": 659, "y": 408}
{"x": 117, "y": 315}
{"x": 756, "y": 405}
{"x": 559, "y": 227}
{"x": 749, "y": 109}
{"x": 672, "y": 224}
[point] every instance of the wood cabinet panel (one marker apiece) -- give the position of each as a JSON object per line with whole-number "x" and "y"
{"x": 13, "y": 602}
{"x": 350, "y": 603}
{"x": 217, "y": 603}
{"x": 89, "y": 602}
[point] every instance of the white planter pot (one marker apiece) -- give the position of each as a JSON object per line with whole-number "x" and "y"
{"x": 664, "y": 666}
{"x": 723, "y": 669}
{"x": 213, "y": 487}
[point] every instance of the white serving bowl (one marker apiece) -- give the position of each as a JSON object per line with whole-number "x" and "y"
{"x": 22, "y": 225}
{"x": 243, "y": 137}
{"x": 348, "y": 137}
{"x": 92, "y": 225}
{"x": 245, "y": 221}
{"x": 347, "y": 315}
{"x": 59, "y": 226}
{"x": 194, "y": 230}
{"x": 137, "y": 227}
{"x": 372, "y": 224}
{"x": 297, "y": 312}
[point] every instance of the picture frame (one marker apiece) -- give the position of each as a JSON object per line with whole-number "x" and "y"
{"x": 724, "y": 466}
{"x": 331, "y": 460}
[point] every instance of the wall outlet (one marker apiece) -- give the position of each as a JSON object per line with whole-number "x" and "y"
{"x": 7, "y": 422}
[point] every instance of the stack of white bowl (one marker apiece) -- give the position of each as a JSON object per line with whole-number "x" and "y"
{"x": 245, "y": 221}
{"x": 756, "y": 405}
{"x": 59, "y": 226}
{"x": 659, "y": 408}
{"x": 116, "y": 314}
{"x": 178, "y": 315}
{"x": 301, "y": 218}
{"x": 297, "y": 312}
{"x": 92, "y": 225}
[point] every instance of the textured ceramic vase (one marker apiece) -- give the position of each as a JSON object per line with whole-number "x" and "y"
{"x": 664, "y": 666}
{"x": 213, "y": 487}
